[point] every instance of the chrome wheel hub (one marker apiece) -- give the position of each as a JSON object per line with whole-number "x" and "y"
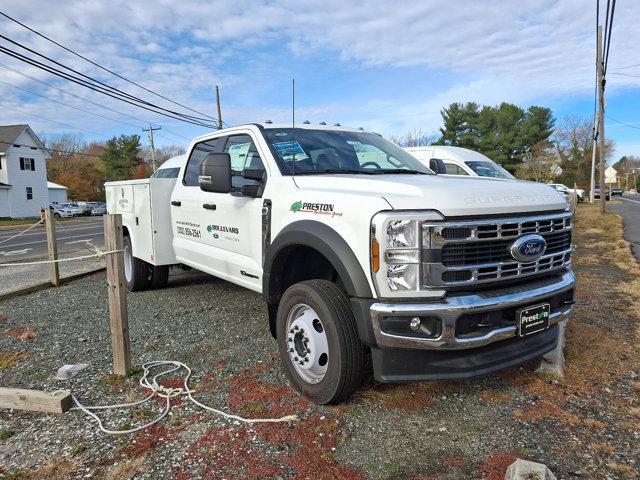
{"x": 307, "y": 343}
{"x": 128, "y": 263}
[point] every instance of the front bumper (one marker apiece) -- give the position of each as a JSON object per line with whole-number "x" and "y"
{"x": 449, "y": 311}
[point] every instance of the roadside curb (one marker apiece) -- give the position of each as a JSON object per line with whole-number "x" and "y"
{"x": 44, "y": 285}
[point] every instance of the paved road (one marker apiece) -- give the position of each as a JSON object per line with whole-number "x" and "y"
{"x": 630, "y": 211}
{"x": 72, "y": 237}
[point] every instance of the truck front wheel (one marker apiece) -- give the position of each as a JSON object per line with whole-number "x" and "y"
{"x": 318, "y": 341}
{"x": 138, "y": 274}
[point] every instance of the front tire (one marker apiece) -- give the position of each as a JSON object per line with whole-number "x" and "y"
{"x": 318, "y": 341}
{"x": 138, "y": 274}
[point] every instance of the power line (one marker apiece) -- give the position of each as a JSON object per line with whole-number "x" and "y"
{"x": 625, "y": 74}
{"x": 102, "y": 67}
{"x": 622, "y": 123}
{"x": 49, "y": 120}
{"x": 54, "y": 150}
{"x": 626, "y": 66}
{"x": 90, "y": 101}
{"x": 608, "y": 31}
{"x": 96, "y": 88}
{"x": 67, "y": 105}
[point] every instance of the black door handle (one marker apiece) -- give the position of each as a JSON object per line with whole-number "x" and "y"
{"x": 176, "y": 203}
{"x": 209, "y": 206}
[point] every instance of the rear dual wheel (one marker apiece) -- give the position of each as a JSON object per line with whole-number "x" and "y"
{"x": 318, "y": 341}
{"x": 140, "y": 275}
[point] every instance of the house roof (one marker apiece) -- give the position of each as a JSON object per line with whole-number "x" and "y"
{"x": 56, "y": 186}
{"x": 4, "y": 185}
{"x": 8, "y": 134}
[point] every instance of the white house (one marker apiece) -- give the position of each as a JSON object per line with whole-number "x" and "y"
{"x": 23, "y": 172}
{"x": 610, "y": 175}
{"x": 57, "y": 193}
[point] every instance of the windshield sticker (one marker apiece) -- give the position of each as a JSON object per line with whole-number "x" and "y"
{"x": 315, "y": 208}
{"x": 286, "y": 149}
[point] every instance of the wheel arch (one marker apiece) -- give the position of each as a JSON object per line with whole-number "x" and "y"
{"x": 317, "y": 237}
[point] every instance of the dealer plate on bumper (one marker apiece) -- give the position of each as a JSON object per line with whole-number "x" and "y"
{"x": 533, "y": 319}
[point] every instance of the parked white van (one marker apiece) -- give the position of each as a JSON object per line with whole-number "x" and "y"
{"x": 460, "y": 161}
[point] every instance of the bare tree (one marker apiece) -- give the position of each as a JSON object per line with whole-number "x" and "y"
{"x": 163, "y": 153}
{"x": 414, "y": 138}
{"x": 63, "y": 148}
{"x": 540, "y": 164}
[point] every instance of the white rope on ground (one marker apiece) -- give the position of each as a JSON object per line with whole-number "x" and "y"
{"x": 22, "y": 232}
{"x": 42, "y": 262}
{"x": 160, "y": 391}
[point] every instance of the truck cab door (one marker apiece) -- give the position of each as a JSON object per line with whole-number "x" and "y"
{"x": 221, "y": 233}
{"x": 189, "y": 215}
{"x": 234, "y": 227}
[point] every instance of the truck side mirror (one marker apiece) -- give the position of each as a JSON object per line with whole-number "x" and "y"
{"x": 215, "y": 173}
{"x": 437, "y": 166}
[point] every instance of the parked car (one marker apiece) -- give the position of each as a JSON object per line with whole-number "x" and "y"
{"x": 616, "y": 191}
{"x": 61, "y": 211}
{"x": 73, "y": 207}
{"x": 360, "y": 252}
{"x": 87, "y": 207}
{"x": 568, "y": 191}
{"x": 460, "y": 161}
{"x": 99, "y": 209}
{"x": 596, "y": 192}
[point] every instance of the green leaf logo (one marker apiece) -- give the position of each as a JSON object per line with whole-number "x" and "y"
{"x": 296, "y": 206}
{"x": 209, "y": 229}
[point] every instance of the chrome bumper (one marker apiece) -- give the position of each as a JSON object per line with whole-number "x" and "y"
{"x": 451, "y": 308}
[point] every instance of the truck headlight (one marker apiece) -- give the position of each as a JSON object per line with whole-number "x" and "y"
{"x": 396, "y": 243}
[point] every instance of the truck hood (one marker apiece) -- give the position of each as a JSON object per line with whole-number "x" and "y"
{"x": 451, "y": 196}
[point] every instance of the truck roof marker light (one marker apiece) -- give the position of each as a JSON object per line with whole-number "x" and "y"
{"x": 375, "y": 255}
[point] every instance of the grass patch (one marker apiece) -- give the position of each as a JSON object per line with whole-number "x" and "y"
{"x": 6, "y": 433}
{"x": 78, "y": 449}
{"x": 9, "y": 359}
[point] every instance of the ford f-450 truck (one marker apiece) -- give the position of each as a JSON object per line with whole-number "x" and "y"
{"x": 362, "y": 254}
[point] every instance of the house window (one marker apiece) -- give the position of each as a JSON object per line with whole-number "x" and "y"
{"x": 29, "y": 193}
{"x": 27, "y": 164}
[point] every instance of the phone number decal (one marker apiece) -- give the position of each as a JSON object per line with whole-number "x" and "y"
{"x": 188, "y": 232}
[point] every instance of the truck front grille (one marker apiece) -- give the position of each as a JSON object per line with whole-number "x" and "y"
{"x": 471, "y": 252}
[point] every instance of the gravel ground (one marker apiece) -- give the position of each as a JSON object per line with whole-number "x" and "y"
{"x": 584, "y": 426}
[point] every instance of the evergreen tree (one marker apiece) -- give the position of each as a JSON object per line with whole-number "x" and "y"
{"x": 121, "y": 157}
{"x": 504, "y": 133}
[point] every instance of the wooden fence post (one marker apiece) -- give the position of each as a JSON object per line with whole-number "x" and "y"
{"x": 118, "y": 318}
{"x": 52, "y": 247}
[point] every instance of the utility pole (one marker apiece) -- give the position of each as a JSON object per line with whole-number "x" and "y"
{"x": 594, "y": 148}
{"x": 219, "y": 110}
{"x": 153, "y": 148}
{"x": 601, "y": 85}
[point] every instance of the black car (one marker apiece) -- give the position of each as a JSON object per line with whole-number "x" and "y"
{"x": 616, "y": 191}
{"x": 596, "y": 192}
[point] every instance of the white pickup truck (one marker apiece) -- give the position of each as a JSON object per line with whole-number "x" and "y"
{"x": 361, "y": 253}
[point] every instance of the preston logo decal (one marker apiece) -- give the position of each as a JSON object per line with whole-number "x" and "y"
{"x": 315, "y": 208}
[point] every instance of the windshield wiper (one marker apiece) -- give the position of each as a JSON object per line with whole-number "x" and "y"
{"x": 398, "y": 170}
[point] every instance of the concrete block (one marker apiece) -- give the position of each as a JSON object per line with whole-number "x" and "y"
{"x": 525, "y": 470}
{"x": 552, "y": 363}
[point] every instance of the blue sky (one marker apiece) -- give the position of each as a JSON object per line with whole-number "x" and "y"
{"x": 385, "y": 66}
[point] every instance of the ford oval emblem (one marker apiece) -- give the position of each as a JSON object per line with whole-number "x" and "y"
{"x": 528, "y": 248}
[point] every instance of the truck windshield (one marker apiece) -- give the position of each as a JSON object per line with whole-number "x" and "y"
{"x": 489, "y": 169}
{"x": 314, "y": 152}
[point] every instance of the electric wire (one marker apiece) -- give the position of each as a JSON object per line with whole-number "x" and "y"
{"x": 606, "y": 57}
{"x": 25, "y": 75}
{"x": 98, "y": 82}
{"x": 50, "y": 120}
{"x": 69, "y": 106}
{"x": 98, "y": 88}
{"x": 54, "y": 150}
{"x": 622, "y": 123}
{"x": 102, "y": 67}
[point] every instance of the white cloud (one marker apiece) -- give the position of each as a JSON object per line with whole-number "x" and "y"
{"x": 523, "y": 52}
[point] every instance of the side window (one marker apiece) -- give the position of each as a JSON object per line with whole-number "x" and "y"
{"x": 244, "y": 156}
{"x": 166, "y": 173}
{"x": 198, "y": 154}
{"x": 453, "y": 169}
